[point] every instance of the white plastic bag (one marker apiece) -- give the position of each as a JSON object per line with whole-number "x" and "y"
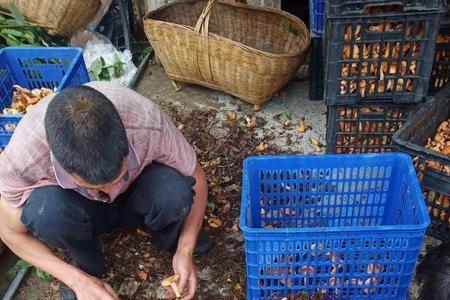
{"x": 103, "y": 60}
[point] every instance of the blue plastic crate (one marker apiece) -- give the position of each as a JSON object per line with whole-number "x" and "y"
{"x": 53, "y": 68}
{"x": 316, "y": 15}
{"x": 348, "y": 226}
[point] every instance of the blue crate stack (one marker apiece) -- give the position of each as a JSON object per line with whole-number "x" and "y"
{"x": 33, "y": 68}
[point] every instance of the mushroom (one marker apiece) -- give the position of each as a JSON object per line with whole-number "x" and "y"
{"x": 172, "y": 282}
{"x": 446, "y": 150}
{"x": 21, "y": 89}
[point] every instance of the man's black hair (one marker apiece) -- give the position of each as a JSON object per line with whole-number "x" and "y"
{"x": 86, "y": 134}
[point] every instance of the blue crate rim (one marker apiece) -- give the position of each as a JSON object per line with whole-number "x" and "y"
{"x": 343, "y": 229}
{"x": 72, "y": 64}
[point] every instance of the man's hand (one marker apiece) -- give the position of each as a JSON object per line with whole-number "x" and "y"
{"x": 92, "y": 288}
{"x": 182, "y": 260}
{"x": 30, "y": 249}
{"x": 183, "y": 265}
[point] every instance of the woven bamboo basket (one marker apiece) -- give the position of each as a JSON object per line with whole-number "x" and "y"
{"x": 247, "y": 51}
{"x": 62, "y": 17}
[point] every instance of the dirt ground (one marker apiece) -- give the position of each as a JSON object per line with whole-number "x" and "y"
{"x": 224, "y": 131}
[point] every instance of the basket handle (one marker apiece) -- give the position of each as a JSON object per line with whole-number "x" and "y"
{"x": 202, "y": 25}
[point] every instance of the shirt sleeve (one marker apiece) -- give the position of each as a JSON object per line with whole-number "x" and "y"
{"x": 174, "y": 150}
{"x": 13, "y": 188}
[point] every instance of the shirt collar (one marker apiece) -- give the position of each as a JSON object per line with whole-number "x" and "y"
{"x": 66, "y": 181}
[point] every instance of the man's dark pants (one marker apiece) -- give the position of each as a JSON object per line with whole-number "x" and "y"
{"x": 160, "y": 199}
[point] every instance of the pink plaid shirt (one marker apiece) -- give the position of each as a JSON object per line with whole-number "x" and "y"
{"x": 27, "y": 163}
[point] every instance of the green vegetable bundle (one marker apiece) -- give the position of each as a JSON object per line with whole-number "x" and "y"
{"x": 15, "y": 30}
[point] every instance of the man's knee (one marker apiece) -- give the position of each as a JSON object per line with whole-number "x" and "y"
{"x": 169, "y": 192}
{"x": 51, "y": 217}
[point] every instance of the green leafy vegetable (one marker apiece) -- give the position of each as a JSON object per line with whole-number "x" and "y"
{"x": 117, "y": 286}
{"x": 44, "y": 276}
{"x": 96, "y": 68}
{"x": 99, "y": 70}
{"x": 20, "y": 265}
{"x": 15, "y": 30}
{"x": 118, "y": 68}
{"x": 289, "y": 27}
{"x": 17, "y": 15}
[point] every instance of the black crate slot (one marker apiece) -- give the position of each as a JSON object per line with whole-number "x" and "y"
{"x": 441, "y": 71}
{"x": 364, "y": 128}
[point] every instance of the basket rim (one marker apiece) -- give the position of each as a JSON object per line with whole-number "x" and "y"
{"x": 298, "y": 21}
{"x": 335, "y": 229}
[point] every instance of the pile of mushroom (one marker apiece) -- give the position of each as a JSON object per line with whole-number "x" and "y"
{"x": 441, "y": 140}
{"x": 366, "y": 131}
{"x": 385, "y": 61}
{"x": 24, "y": 99}
{"x": 287, "y": 270}
{"x": 440, "y": 143}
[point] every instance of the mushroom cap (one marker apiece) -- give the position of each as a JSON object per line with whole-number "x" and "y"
{"x": 167, "y": 281}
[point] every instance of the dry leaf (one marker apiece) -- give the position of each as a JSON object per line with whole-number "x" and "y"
{"x": 142, "y": 232}
{"x": 231, "y": 116}
{"x": 143, "y": 275}
{"x": 262, "y": 147}
{"x": 129, "y": 288}
{"x": 214, "y": 222}
{"x": 318, "y": 149}
{"x": 287, "y": 124}
{"x": 251, "y": 122}
{"x": 302, "y": 126}
{"x": 226, "y": 208}
{"x": 316, "y": 142}
{"x": 232, "y": 188}
{"x": 234, "y": 228}
{"x": 221, "y": 199}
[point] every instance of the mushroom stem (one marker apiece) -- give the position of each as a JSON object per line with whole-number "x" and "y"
{"x": 174, "y": 287}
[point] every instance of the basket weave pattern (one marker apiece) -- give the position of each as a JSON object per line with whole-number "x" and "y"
{"x": 62, "y": 17}
{"x": 240, "y": 49}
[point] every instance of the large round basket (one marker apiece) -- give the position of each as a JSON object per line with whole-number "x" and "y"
{"x": 244, "y": 50}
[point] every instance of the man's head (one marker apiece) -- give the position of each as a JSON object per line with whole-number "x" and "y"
{"x": 87, "y": 136}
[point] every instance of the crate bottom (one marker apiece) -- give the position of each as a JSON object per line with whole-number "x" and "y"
{"x": 365, "y": 127}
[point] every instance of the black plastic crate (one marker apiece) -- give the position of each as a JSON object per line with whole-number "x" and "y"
{"x": 381, "y": 52}
{"x": 115, "y": 25}
{"x": 366, "y": 127}
{"x": 316, "y": 71}
{"x": 441, "y": 71}
{"x": 433, "y": 168}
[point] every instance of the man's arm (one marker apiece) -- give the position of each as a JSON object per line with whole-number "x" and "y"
{"x": 15, "y": 236}
{"x": 182, "y": 260}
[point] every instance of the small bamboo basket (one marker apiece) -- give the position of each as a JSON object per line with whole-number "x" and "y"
{"x": 247, "y": 51}
{"x": 62, "y": 17}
